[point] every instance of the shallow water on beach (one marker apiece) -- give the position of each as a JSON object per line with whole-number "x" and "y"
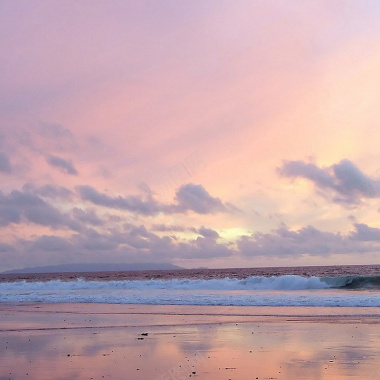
{"x": 147, "y": 342}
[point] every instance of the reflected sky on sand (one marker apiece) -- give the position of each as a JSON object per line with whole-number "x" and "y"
{"x": 181, "y": 344}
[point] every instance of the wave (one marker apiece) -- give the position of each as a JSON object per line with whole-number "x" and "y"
{"x": 202, "y": 299}
{"x": 289, "y": 290}
{"x": 287, "y": 282}
{"x": 353, "y": 282}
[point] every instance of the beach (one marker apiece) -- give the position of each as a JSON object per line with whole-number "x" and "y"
{"x": 108, "y": 341}
{"x": 189, "y": 190}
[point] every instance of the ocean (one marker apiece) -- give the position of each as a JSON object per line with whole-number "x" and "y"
{"x": 327, "y": 286}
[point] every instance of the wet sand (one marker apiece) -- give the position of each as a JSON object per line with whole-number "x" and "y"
{"x": 100, "y": 341}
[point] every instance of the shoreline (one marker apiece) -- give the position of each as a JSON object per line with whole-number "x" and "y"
{"x": 142, "y": 342}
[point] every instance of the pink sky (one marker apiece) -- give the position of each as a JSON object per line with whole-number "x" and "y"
{"x": 202, "y": 133}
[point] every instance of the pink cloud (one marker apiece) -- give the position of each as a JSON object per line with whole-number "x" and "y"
{"x": 109, "y": 95}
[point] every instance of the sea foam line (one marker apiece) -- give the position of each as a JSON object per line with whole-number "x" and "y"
{"x": 288, "y": 282}
{"x": 285, "y": 282}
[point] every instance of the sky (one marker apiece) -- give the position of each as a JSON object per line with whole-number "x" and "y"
{"x": 204, "y": 133}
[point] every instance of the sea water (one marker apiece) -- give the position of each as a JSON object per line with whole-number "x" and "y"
{"x": 329, "y": 286}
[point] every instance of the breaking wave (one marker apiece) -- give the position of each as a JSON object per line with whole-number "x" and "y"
{"x": 287, "y": 282}
{"x": 353, "y": 282}
{"x": 287, "y": 290}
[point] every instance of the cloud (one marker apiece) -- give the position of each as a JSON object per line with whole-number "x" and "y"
{"x": 64, "y": 165}
{"x": 131, "y": 203}
{"x": 50, "y": 136}
{"x": 87, "y": 216}
{"x": 167, "y": 228}
{"x": 137, "y": 243}
{"x": 62, "y": 137}
{"x": 320, "y": 177}
{"x": 196, "y": 198}
{"x": 365, "y": 233}
{"x": 5, "y": 165}
{"x": 91, "y": 240}
{"x": 189, "y": 197}
{"x": 8, "y": 213}
{"x": 5, "y": 247}
{"x": 352, "y": 182}
{"x": 139, "y": 237}
{"x": 309, "y": 241}
{"x": 208, "y": 232}
{"x": 44, "y": 138}
{"x": 48, "y": 191}
{"x": 51, "y": 243}
{"x": 348, "y": 184}
{"x": 205, "y": 246}
{"x": 19, "y": 206}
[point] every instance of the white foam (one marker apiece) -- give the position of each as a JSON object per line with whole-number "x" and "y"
{"x": 288, "y": 282}
{"x": 180, "y": 297}
{"x": 253, "y": 291}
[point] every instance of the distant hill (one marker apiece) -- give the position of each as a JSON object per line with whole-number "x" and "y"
{"x": 95, "y": 268}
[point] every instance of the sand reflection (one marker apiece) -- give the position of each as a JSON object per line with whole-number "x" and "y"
{"x": 57, "y": 344}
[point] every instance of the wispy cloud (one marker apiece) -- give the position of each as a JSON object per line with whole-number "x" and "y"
{"x": 89, "y": 217}
{"x": 308, "y": 240}
{"x": 65, "y": 165}
{"x": 131, "y": 203}
{"x": 365, "y": 233}
{"x": 195, "y": 198}
{"x": 25, "y": 207}
{"x": 80, "y": 130}
{"x": 5, "y": 165}
{"x": 49, "y": 191}
{"x": 189, "y": 197}
{"x": 347, "y": 182}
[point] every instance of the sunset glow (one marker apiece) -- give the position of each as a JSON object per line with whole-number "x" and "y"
{"x": 199, "y": 133}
